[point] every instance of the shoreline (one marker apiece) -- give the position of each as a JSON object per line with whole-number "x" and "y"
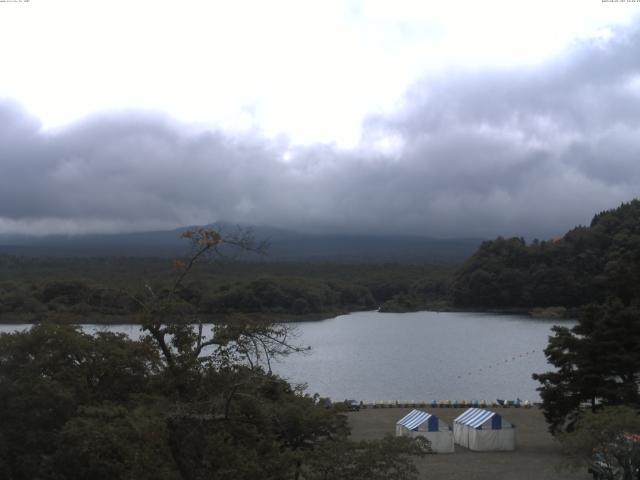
{"x": 101, "y": 319}
{"x": 551, "y": 313}
{"x": 494, "y": 404}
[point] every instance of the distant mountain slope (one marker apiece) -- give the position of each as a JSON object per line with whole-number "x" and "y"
{"x": 284, "y": 245}
{"x": 588, "y": 264}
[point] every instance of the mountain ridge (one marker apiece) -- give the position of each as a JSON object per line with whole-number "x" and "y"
{"x": 284, "y": 245}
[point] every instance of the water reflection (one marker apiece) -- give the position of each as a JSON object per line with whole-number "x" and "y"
{"x": 411, "y": 356}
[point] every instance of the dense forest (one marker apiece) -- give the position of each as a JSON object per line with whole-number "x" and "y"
{"x": 98, "y": 289}
{"x": 180, "y": 403}
{"x": 590, "y": 398}
{"x": 587, "y": 265}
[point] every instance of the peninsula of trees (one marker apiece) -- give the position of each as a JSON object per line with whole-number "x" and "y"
{"x": 94, "y": 289}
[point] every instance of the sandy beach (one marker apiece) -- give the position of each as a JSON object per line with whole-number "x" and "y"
{"x": 537, "y": 455}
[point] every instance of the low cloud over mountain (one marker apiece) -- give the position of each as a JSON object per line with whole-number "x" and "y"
{"x": 522, "y": 151}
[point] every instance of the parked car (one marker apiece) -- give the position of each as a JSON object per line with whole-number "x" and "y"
{"x": 600, "y": 469}
{"x": 352, "y": 405}
{"x": 604, "y": 465}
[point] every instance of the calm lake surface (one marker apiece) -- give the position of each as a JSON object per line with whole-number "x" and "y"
{"x": 422, "y": 356}
{"x": 413, "y": 356}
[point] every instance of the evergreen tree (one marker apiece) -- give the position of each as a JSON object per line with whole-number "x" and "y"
{"x": 587, "y": 265}
{"x": 597, "y": 361}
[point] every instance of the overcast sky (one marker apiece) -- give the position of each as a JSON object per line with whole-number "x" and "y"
{"x": 434, "y": 118}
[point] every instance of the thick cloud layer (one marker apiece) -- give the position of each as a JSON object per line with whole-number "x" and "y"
{"x": 489, "y": 152}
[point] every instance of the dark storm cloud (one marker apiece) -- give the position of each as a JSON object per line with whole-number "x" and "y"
{"x": 531, "y": 150}
{"x": 125, "y": 171}
{"x": 527, "y": 151}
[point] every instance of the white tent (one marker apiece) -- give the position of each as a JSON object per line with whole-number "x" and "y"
{"x": 419, "y": 423}
{"x": 483, "y": 430}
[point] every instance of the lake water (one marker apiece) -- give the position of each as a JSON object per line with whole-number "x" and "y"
{"x": 422, "y": 356}
{"x": 413, "y": 356}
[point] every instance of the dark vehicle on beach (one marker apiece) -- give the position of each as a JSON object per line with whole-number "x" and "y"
{"x": 606, "y": 463}
{"x": 352, "y": 405}
{"x": 600, "y": 469}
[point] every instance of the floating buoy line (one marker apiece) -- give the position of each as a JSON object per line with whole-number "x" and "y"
{"x": 498, "y": 363}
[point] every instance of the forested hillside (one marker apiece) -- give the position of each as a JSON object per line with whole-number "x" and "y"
{"x": 587, "y": 265}
{"x": 98, "y": 289}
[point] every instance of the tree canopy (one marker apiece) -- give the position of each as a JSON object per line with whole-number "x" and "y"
{"x": 609, "y": 440}
{"x": 34, "y": 289}
{"x": 597, "y": 361}
{"x": 178, "y": 403}
{"x": 587, "y": 265}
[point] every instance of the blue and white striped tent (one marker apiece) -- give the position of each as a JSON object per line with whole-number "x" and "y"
{"x": 484, "y": 430}
{"x": 476, "y": 417}
{"x": 419, "y": 423}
